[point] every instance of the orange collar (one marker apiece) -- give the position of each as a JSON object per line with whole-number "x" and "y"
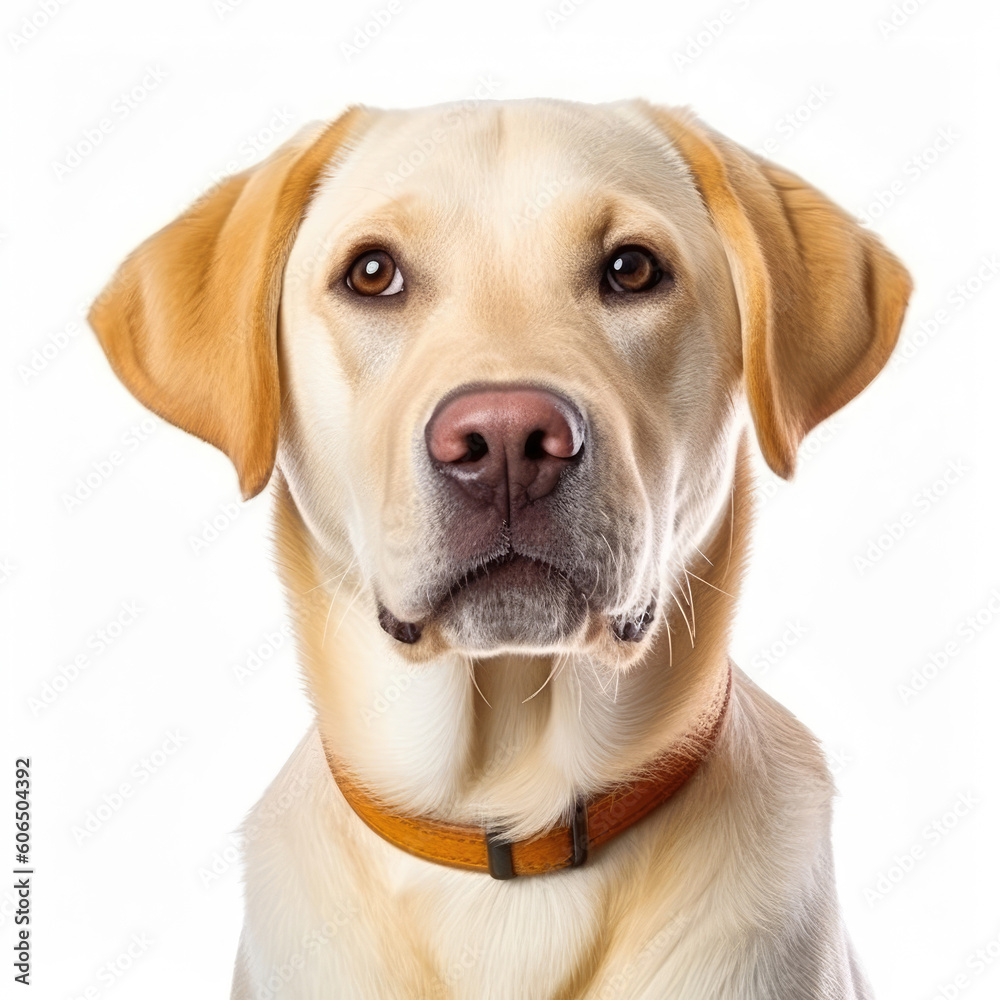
{"x": 594, "y": 822}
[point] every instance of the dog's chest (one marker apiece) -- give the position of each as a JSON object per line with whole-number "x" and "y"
{"x": 338, "y": 905}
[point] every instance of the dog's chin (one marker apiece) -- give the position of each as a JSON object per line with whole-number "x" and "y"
{"x": 517, "y": 604}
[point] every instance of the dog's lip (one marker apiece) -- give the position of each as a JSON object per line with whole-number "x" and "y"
{"x": 481, "y": 571}
{"x": 411, "y": 631}
{"x": 631, "y": 628}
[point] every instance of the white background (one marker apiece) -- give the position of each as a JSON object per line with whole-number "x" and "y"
{"x": 882, "y": 95}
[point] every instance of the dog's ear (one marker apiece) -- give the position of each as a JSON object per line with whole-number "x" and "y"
{"x": 190, "y": 320}
{"x": 821, "y": 299}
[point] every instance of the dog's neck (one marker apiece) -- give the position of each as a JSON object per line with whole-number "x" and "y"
{"x": 510, "y": 739}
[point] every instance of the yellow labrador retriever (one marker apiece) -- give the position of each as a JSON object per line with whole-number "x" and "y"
{"x": 501, "y": 361}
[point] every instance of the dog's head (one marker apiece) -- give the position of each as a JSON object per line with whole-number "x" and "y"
{"x": 503, "y": 352}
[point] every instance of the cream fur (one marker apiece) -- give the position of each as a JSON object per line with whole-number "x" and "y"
{"x": 725, "y": 892}
{"x": 779, "y": 310}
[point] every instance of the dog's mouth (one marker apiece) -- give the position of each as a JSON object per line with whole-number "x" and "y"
{"x": 490, "y": 594}
{"x": 513, "y": 600}
{"x": 511, "y": 569}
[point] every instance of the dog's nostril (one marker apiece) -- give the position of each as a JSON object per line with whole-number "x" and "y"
{"x": 477, "y": 447}
{"x": 490, "y": 439}
{"x": 533, "y": 445}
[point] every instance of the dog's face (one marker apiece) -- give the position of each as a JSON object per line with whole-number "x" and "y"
{"x": 520, "y": 419}
{"x": 513, "y": 346}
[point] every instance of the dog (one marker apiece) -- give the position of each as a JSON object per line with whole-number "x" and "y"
{"x": 503, "y": 364}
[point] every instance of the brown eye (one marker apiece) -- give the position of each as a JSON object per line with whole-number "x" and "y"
{"x": 375, "y": 273}
{"x": 632, "y": 269}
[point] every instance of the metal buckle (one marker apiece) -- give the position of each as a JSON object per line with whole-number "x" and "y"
{"x": 498, "y": 856}
{"x": 498, "y": 850}
{"x": 580, "y": 831}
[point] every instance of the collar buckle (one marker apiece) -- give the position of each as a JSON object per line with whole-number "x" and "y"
{"x": 500, "y": 860}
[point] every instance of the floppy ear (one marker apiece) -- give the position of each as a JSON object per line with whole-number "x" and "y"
{"x": 821, "y": 299}
{"x": 190, "y": 320}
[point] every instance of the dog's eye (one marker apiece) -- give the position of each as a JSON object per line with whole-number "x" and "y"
{"x": 375, "y": 273}
{"x": 632, "y": 269}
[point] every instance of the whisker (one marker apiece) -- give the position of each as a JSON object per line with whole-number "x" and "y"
{"x": 680, "y": 608}
{"x": 475, "y": 683}
{"x": 579, "y": 691}
{"x": 694, "y": 624}
{"x": 603, "y": 688}
{"x": 326, "y": 624}
{"x": 712, "y": 585}
{"x": 333, "y": 600}
{"x": 347, "y": 611}
{"x": 597, "y": 581}
{"x": 555, "y": 667}
{"x": 614, "y": 558}
{"x": 332, "y": 578}
{"x": 732, "y": 519}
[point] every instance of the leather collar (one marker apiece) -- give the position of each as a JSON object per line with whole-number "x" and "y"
{"x": 594, "y": 822}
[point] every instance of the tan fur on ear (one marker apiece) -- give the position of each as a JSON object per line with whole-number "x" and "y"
{"x": 189, "y": 322}
{"x": 821, "y": 299}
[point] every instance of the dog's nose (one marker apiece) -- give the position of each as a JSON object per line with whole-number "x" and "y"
{"x": 505, "y": 446}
